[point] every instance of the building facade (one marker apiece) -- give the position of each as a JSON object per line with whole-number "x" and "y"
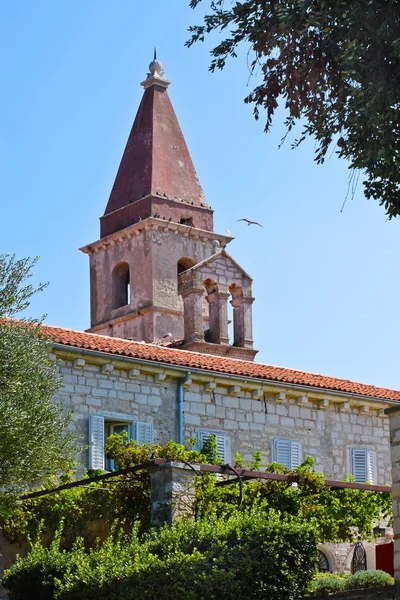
{"x": 157, "y": 361}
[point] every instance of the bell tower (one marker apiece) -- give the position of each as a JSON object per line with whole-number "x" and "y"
{"x": 157, "y": 242}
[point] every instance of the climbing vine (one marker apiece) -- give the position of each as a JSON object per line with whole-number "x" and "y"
{"x": 92, "y": 509}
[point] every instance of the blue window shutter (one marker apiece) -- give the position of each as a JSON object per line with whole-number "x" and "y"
{"x": 281, "y": 452}
{"x": 132, "y": 431}
{"x": 295, "y": 454}
{"x": 359, "y": 464}
{"x": 287, "y": 453}
{"x": 363, "y": 465}
{"x": 144, "y": 433}
{"x": 96, "y": 442}
{"x": 222, "y": 441}
{"x": 371, "y": 467}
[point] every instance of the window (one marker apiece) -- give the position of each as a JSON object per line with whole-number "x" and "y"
{"x": 117, "y": 427}
{"x": 120, "y": 285}
{"x": 222, "y": 440}
{"x": 362, "y": 465}
{"x": 287, "y": 453}
{"x": 186, "y": 221}
{"x": 101, "y": 427}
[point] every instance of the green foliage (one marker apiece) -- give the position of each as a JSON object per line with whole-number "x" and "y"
{"x": 93, "y": 508}
{"x": 328, "y": 582}
{"x": 335, "y": 582}
{"x": 130, "y": 453}
{"x": 334, "y": 66}
{"x": 34, "y": 441}
{"x": 368, "y": 579}
{"x": 210, "y": 450}
{"x": 338, "y": 513}
{"x": 248, "y": 555}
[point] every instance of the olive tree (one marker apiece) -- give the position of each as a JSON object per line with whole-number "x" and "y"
{"x": 35, "y": 442}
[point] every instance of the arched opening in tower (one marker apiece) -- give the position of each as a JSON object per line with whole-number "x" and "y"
{"x": 121, "y": 285}
{"x": 184, "y": 264}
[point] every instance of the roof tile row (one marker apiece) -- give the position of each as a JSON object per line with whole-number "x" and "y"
{"x": 183, "y": 358}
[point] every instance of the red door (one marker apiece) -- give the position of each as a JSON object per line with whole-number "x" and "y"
{"x": 384, "y": 554}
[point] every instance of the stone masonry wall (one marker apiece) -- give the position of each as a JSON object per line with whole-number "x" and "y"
{"x": 325, "y": 431}
{"x": 394, "y": 420}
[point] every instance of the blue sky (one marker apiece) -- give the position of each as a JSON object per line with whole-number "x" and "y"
{"x": 326, "y": 282}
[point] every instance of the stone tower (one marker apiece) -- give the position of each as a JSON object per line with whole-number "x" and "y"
{"x": 159, "y": 273}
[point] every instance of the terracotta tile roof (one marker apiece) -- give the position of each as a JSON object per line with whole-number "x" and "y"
{"x": 183, "y": 358}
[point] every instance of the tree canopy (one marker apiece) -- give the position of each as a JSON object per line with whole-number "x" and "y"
{"x": 34, "y": 440}
{"x": 335, "y": 64}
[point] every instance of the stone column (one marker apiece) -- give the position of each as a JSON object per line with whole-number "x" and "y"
{"x": 248, "y": 321}
{"x": 223, "y": 318}
{"x": 193, "y": 314}
{"x": 238, "y": 321}
{"x": 242, "y": 322}
{"x": 394, "y": 423}
{"x": 214, "y": 322}
{"x": 172, "y": 492}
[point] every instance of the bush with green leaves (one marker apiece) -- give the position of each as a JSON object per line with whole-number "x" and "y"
{"x": 337, "y": 582}
{"x": 368, "y": 579}
{"x": 328, "y": 582}
{"x": 248, "y": 555}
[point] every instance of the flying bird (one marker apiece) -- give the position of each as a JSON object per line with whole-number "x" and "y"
{"x": 250, "y": 222}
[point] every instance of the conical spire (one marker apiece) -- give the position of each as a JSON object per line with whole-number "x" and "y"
{"x": 156, "y": 161}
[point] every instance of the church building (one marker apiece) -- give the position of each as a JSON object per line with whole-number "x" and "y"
{"x": 157, "y": 361}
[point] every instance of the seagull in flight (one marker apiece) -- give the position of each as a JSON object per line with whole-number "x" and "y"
{"x": 250, "y": 222}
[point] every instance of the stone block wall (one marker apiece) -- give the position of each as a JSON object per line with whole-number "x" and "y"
{"x": 250, "y": 416}
{"x": 394, "y": 421}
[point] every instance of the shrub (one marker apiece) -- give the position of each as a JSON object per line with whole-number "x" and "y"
{"x": 367, "y": 579}
{"x": 249, "y": 555}
{"x": 328, "y": 582}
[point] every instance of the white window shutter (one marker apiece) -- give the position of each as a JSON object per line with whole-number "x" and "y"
{"x": 144, "y": 433}
{"x": 360, "y": 464}
{"x": 96, "y": 442}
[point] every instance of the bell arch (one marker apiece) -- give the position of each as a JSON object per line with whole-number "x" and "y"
{"x": 184, "y": 264}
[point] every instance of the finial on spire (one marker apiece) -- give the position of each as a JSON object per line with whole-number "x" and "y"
{"x": 156, "y": 73}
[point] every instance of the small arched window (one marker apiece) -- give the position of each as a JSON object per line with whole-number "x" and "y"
{"x": 121, "y": 285}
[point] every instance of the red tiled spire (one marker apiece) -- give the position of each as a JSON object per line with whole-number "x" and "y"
{"x": 156, "y": 161}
